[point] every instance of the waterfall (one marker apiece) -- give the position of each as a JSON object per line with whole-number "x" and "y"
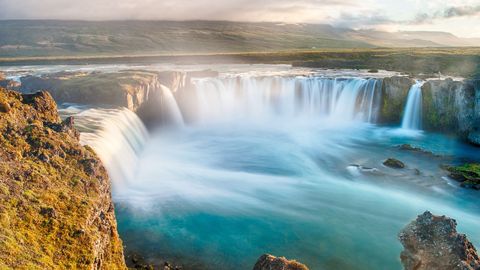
{"x": 116, "y": 135}
{"x": 170, "y": 107}
{"x": 264, "y": 98}
{"x": 412, "y": 116}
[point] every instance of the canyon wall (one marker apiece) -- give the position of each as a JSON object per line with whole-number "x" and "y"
{"x": 131, "y": 88}
{"x": 56, "y": 210}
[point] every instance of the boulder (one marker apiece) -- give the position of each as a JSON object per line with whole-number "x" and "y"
{"x": 394, "y": 163}
{"x": 432, "y": 243}
{"x": 269, "y": 262}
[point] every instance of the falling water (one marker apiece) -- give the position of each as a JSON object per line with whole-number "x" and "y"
{"x": 116, "y": 135}
{"x": 170, "y": 107}
{"x": 412, "y": 117}
{"x": 266, "y": 98}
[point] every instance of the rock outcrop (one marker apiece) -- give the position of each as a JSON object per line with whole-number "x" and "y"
{"x": 449, "y": 106}
{"x": 394, "y": 163}
{"x": 394, "y": 97}
{"x": 432, "y": 243}
{"x": 56, "y": 210}
{"x": 130, "y": 88}
{"x": 269, "y": 262}
{"x": 468, "y": 175}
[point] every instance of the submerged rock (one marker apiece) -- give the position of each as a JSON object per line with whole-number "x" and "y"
{"x": 432, "y": 243}
{"x": 394, "y": 163}
{"x": 269, "y": 262}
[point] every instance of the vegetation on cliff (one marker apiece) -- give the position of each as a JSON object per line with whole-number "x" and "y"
{"x": 55, "y": 203}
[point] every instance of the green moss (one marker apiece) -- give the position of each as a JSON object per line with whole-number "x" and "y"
{"x": 467, "y": 173}
{"x": 42, "y": 200}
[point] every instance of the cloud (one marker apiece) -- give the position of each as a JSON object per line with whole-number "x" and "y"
{"x": 251, "y": 10}
{"x": 447, "y": 13}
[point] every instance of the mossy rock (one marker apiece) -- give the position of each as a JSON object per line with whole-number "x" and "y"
{"x": 468, "y": 174}
{"x": 41, "y": 213}
{"x": 394, "y": 163}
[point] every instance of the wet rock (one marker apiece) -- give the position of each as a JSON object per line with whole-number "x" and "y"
{"x": 394, "y": 97}
{"x": 129, "y": 88}
{"x": 474, "y": 138}
{"x": 448, "y": 106}
{"x": 468, "y": 174}
{"x": 394, "y": 163}
{"x": 269, "y": 262}
{"x": 432, "y": 243}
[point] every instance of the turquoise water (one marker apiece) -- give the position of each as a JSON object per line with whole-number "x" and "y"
{"x": 218, "y": 196}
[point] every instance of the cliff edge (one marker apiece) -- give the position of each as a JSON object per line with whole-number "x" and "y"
{"x": 56, "y": 210}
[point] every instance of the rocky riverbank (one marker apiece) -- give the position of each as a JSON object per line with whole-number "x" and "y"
{"x": 56, "y": 210}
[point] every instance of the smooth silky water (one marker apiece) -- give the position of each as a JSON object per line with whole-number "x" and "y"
{"x": 287, "y": 166}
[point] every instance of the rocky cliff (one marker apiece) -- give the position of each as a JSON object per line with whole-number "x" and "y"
{"x": 130, "y": 88}
{"x": 448, "y": 105}
{"x": 55, "y": 204}
{"x": 432, "y": 243}
{"x": 394, "y": 97}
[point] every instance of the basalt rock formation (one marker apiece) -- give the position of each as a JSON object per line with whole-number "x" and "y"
{"x": 432, "y": 243}
{"x": 56, "y": 210}
{"x": 449, "y": 106}
{"x": 269, "y": 262}
{"x": 394, "y": 97}
{"x": 130, "y": 88}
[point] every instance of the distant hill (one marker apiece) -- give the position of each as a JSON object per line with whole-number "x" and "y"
{"x": 82, "y": 38}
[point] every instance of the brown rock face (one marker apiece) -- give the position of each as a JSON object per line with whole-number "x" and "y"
{"x": 55, "y": 204}
{"x": 432, "y": 243}
{"x": 269, "y": 262}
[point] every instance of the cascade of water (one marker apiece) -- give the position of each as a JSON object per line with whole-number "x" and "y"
{"x": 263, "y": 98}
{"x": 117, "y": 136}
{"x": 170, "y": 107}
{"x": 412, "y": 116}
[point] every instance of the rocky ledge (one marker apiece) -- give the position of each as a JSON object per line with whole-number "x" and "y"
{"x": 269, "y": 262}
{"x": 56, "y": 210}
{"x": 467, "y": 174}
{"x": 129, "y": 88}
{"x": 432, "y": 243}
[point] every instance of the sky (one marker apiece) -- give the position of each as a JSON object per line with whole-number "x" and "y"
{"x": 460, "y": 17}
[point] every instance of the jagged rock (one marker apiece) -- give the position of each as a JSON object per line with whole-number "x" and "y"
{"x": 394, "y": 163}
{"x": 432, "y": 243}
{"x": 55, "y": 211}
{"x": 269, "y": 262}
